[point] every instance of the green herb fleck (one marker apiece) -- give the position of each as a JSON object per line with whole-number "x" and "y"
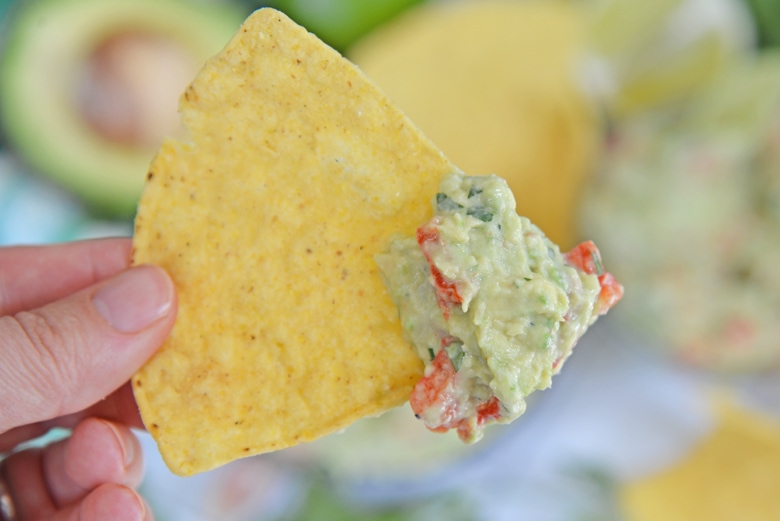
{"x": 474, "y": 190}
{"x": 445, "y": 203}
{"x": 456, "y": 354}
{"x": 431, "y": 353}
{"x": 481, "y": 213}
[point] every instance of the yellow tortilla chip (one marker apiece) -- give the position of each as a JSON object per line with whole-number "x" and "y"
{"x": 732, "y": 474}
{"x": 298, "y": 170}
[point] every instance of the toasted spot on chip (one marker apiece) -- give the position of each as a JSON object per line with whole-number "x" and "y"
{"x": 296, "y": 173}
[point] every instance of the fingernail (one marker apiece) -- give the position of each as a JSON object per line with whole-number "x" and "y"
{"x": 135, "y": 299}
{"x": 112, "y": 501}
{"x": 127, "y": 446}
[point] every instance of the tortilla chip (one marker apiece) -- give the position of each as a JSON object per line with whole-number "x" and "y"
{"x": 730, "y": 474}
{"x": 298, "y": 171}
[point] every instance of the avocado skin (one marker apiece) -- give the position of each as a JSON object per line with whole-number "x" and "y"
{"x": 44, "y": 42}
{"x": 766, "y": 14}
{"x": 340, "y": 23}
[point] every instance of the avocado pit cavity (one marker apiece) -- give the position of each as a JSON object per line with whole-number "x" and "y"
{"x": 129, "y": 88}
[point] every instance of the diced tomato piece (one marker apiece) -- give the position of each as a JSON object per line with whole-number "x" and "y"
{"x": 486, "y": 412}
{"x": 431, "y": 388}
{"x": 489, "y": 411}
{"x": 586, "y": 257}
{"x": 427, "y": 234}
{"x": 611, "y": 292}
{"x": 446, "y": 290}
{"x": 434, "y": 391}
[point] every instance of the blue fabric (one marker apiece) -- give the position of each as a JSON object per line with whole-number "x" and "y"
{"x": 35, "y": 211}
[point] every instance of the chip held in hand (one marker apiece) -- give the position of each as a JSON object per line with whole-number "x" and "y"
{"x": 297, "y": 171}
{"x": 297, "y": 183}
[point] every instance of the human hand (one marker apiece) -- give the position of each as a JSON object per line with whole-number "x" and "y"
{"x": 75, "y": 324}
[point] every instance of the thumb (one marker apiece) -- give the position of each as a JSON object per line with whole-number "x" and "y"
{"x": 67, "y": 355}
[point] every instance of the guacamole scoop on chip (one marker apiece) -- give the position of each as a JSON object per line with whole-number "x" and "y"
{"x": 296, "y": 174}
{"x": 491, "y": 304}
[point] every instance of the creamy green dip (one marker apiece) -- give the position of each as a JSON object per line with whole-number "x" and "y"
{"x": 490, "y": 304}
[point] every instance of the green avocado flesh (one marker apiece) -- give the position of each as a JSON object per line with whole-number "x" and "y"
{"x": 47, "y": 49}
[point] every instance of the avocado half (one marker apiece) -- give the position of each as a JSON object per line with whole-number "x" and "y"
{"x": 48, "y": 50}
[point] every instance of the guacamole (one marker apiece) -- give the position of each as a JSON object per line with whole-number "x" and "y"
{"x": 491, "y": 305}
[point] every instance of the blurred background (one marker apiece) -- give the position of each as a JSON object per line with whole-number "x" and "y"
{"x": 651, "y": 127}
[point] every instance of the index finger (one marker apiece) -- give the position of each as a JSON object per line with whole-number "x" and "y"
{"x": 32, "y": 276}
